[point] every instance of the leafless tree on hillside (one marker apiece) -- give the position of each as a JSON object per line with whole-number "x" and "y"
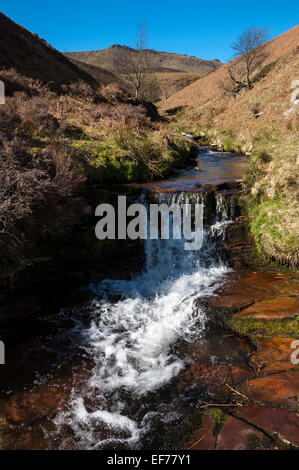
{"x": 249, "y": 54}
{"x": 134, "y": 65}
{"x": 151, "y": 89}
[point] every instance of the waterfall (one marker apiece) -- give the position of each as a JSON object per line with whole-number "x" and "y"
{"x": 227, "y": 209}
{"x": 133, "y": 328}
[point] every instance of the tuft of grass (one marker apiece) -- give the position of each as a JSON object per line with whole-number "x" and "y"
{"x": 219, "y": 417}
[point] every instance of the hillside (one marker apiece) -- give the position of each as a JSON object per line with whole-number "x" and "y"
{"x": 171, "y": 82}
{"x": 54, "y": 145}
{"x": 35, "y": 58}
{"x": 160, "y": 61}
{"x": 207, "y": 88}
{"x": 263, "y": 122}
{"x": 104, "y": 77}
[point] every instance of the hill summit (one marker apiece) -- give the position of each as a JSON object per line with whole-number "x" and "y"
{"x": 160, "y": 61}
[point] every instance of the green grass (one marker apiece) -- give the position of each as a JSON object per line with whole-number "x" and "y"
{"x": 129, "y": 155}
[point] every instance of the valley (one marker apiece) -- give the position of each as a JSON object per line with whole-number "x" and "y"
{"x": 139, "y": 343}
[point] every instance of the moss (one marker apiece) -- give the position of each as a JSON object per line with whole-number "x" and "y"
{"x": 262, "y": 327}
{"x": 219, "y": 417}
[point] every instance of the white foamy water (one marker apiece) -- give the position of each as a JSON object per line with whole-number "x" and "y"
{"x": 131, "y": 340}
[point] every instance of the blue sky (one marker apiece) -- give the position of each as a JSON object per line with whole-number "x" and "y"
{"x": 201, "y": 28}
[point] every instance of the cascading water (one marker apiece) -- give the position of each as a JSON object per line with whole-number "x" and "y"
{"x": 131, "y": 335}
{"x": 225, "y": 213}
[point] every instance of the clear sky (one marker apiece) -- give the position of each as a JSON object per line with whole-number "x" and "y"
{"x": 195, "y": 27}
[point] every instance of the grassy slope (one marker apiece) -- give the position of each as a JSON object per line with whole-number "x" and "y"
{"x": 171, "y": 71}
{"x": 272, "y": 139}
{"x": 104, "y": 77}
{"x": 160, "y": 61}
{"x": 172, "y": 82}
{"x": 52, "y": 145}
{"x": 206, "y": 90}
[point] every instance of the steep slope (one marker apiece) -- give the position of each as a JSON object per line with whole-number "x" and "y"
{"x": 263, "y": 122}
{"x": 104, "y": 77}
{"x": 160, "y": 61}
{"x": 171, "y": 82}
{"x": 35, "y": 58}
{"x": 207, "y": 88}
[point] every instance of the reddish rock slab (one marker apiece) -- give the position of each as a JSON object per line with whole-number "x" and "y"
{"x": 279, "y": 389}
{"x": 237, "y": 435}
{"x": 203, "y": 439}
{"x": 231, "y": 302}
{"x": 202, "y": 373}
{"x": 270, "y": 281}
{"x": 27, "y": 407}
{"x": 251, "y": 287}
{"x": 209, "y": 379}
{"x": 240, "y": 374}
{"x": 281, "y": 307}
{"x": 275, "y": 420}
{"x": 274, "y": 354}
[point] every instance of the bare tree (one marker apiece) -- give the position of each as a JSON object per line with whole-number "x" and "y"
{"x": 165, "y": 91}
{"x": 134, "y": 64}
{"x": 151, "y": 88}
{"x": 249, "y": 52}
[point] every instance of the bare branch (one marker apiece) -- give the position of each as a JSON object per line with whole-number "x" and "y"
{"x": 134, "y": 64}
{"x": 249, "y": 51}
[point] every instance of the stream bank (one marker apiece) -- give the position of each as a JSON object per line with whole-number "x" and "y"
{"x": 172, "y": 337}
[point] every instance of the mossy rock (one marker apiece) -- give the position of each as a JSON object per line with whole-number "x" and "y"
{"x": 264, "y": 327}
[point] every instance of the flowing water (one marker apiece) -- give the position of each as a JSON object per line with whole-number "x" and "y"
{"x": 131, "y": 337}
{"x": 118, "y": 358}
{"x": 213, "y": 167}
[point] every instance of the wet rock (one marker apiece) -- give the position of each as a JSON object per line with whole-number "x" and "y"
{"x": 272, "y": 281}
{"x": 228, "y": 185}
{"x": 201, "y": 384}
{"x": 201, "y": 374}
{"x": 227, "y": 303}
{"x": 282, "y": 307}
{"x": 238, "y": 243}
{"x": 278, "y": 389}
{"x": 27, "y": 407}
{"x": 257, "y": 304}
{"x": 237, "y": 435}
{"x": 203, "y": 439}
{"x": 275, "y": 420}
{"x": 273, "y": 355}
{"x": 240, "y": 374}
{"x": 239, "y": 253}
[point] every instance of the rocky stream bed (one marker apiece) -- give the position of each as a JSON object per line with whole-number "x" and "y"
{"x": 173, "y": 352}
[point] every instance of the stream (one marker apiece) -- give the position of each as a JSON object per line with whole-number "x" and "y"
{"x": 115, "y": 365}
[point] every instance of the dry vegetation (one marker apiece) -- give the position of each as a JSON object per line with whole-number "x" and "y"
{"x": 256, "y": 123}
{"x": 34, "y": 57}
{"x": 51, "y": 146}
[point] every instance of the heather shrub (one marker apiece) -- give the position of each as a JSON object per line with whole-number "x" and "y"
{"x": 52, "y": 145}
{"x": 15, "y": 81}
{"x": 113, "y": 93}
{"x": 36, "y": 196}
{"x": 81, "y": 90}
